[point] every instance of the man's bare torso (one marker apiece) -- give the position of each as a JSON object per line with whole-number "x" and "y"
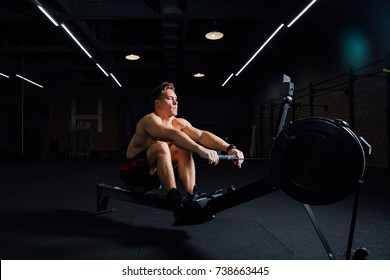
{"x": 141, "y": 139}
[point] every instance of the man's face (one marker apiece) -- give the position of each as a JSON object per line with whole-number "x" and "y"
{"x": 168, "y": 102}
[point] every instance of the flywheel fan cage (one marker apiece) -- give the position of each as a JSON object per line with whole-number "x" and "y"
{"x": 317, "y": 160}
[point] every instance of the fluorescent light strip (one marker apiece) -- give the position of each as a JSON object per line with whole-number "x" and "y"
{"x": 74, "y": 38}
{"x": 47, "y": 15}
{"x": 266, "y": 42}
{"x": 34, "y": 83}
{"x": 101, "y": 68}
{"x": 227, "y": 80}
{"x": 112, "y": 75}
{"x": 4, "y": 75}
{"x": 301, "y": 13}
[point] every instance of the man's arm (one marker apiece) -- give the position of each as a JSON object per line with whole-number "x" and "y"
{"x": 209, "y": 140}
{"x": 154, "y": 127}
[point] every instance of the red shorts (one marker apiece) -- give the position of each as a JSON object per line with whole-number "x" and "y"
{"x": 135, "y": 172}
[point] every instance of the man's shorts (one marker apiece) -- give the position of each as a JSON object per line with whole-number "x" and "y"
{"x": 135, "y": 172}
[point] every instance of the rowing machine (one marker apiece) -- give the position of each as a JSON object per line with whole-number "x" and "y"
{"x": 316, "y": 161}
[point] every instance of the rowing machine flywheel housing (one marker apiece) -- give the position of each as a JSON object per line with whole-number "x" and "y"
{"x": 318, "y": 160}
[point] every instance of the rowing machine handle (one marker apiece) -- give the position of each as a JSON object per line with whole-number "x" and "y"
{"x": 227, "y": 157}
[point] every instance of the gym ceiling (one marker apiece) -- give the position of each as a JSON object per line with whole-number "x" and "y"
{"x": 169, "y": 37}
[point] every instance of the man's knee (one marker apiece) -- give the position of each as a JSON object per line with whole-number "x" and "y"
{"x": 159, "y": 149}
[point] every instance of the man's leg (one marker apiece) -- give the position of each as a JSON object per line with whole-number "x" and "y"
{"x": 185, "y": 168}
{"x": 159, "y": 157}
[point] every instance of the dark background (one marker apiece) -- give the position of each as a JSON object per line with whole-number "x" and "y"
{"x": 337, "y": 56}
{"x": 337, "y": 45}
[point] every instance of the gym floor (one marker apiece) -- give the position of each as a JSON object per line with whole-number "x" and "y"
{"x": 46, "y": 205}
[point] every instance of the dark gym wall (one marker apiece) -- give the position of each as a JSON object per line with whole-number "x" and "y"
{"x": 48, "y": 114}
{"x": 222, "y": 111}
{"x": 22, "y": 101}
{"x": 357, "y": 95}
{"x": 10, "y": 122}
{"x": 228, "y": 112}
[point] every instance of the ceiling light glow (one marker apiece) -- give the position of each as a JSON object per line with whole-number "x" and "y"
{"x": 199, "y": 75}
{"x": 266, "y": 42}
{"x": 112, "y": 75}
{"x": 301, "y": 13}
{"x": 101, "y": 68}
{"x": 34, "y": 83}
{"x": 47, "y": 14}
{"x": 4, "y": 75}
{"x": 227, "y": 80}
{"x": 132, "y": 57}
{"x": 75, "y": 39}
{"x": 214, "y": 35}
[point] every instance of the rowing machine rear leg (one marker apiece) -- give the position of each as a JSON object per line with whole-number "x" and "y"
{"x": 102, "y": 203}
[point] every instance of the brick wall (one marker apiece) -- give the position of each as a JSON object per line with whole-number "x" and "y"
{"x": 332, "y": 100}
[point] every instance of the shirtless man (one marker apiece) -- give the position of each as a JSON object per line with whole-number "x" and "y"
{"x": 163, "y": 142}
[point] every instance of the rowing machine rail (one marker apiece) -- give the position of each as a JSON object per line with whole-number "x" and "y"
{"x": 208, "y": 206}
{"x": 150, "y": 199}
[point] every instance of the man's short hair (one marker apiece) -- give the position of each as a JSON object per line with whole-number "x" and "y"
{"x": 160, "y": 89}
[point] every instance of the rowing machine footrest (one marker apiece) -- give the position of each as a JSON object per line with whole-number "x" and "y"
{"x": 194, "y": 212}
{"x": 197, "y": 211}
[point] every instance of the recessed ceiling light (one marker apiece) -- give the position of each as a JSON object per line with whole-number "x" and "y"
{"x": 198, "y": 75}
{"x": 132, "y": 57}
{"x": 214, "y": 35}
